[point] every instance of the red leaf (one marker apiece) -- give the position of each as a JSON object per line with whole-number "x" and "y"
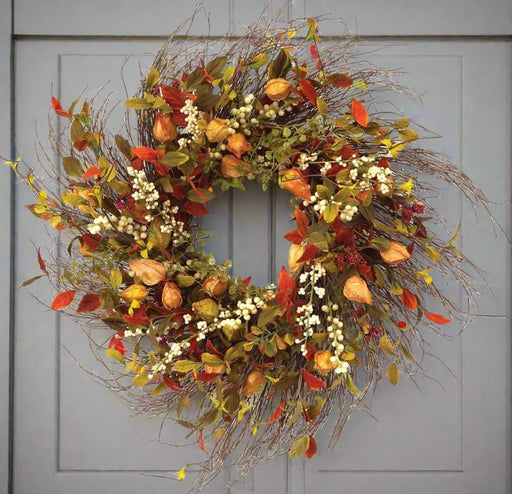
{"x": 147, "y": 154}
{"x": 137, "y": 164}
{"x": 359, "y": 113}
{"x": 117, "y": 344}
{"x": 308, "y": 90}
{"x": 139, "y": 316}
{"x": 247, "y": 281}
{"x": 93, "y": 171}
{"x": 347, "y": 151}
{"x": 366, "y": 271}
{"x": 41, "y": 262}
{"x": 200, "y": 440}
{"x": 171, "y": 384}
{"x": 63, "y": 299}
{"x": 314, "y": 51}
{"x": 178, "y": 191}
{"x": 207, "y": 378}
{"x": 278, "y": 413}
{"x": 161, "y": 169}
{"x": 294, "y": 237}
{"x": 179, "y": 118}
{"x": 401, "y": 324}
{"x": 286, "y": 284}
{"x": 81, "y": 144}
{"x": 173, "y": 96}
{"x": 91, "y": 241}
{"x": 437, "y": 318}
{"x": 302, "y": 221}
{"x": 195, "y": 208}
{"x": 89, "y": 303}
{"x": 343, "y": 236}
{"x": 409, "y": 299}
{"x": 58, "y": 108}
{"x": 312, "y": 381}
{"x": 342, "y": 80}
{"x": 309, "y": 253}
{"x": 211, "y": 347}
{"x": 311, "y": 451}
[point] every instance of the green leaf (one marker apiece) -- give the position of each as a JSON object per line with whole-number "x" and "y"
{"x": 200, "y": 195}
{"x": 155, "y": 235}
{"x": 318, "y": 240}
{"x": 381, "y": 244}
{"x": 215, "y": 67}
{"x": 31, "y": 280}
{"x": 323, "y": 109}
{"x": 323, "y": 192}
{"x": 300, "y": 446}
{"x": 72, "y": 166}
{"x": 401, "y": 124}
{"x": 280, "y": 66}
{"x": 258, "y": 61}
{"x": 116, "y": 278}
{"x": 331, "y": 212}
{"x": 211, "y": 359}
{"x": 124, "y": 146}
{"x": 186, "y": 366}
{"x": 138, "y": 103}
{"x": 268, "y": 314}
{"x": 76, "y": 131}
{"x": 152, "y": 78}
{"x": 393, "y": 374}
{"x": 408, "y": 135}
{"x": 174, "y": 158}
{"x": 350, "y": 385}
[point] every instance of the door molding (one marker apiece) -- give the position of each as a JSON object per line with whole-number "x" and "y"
{"x": 6, "y": 225}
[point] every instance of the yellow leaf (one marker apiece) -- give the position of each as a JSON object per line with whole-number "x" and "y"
{"x": 116, "y": 278}
{"x": 254, "y": 431}
{"x": 425, "y": 275}
{"x": 181, "y": 474}
{"x": 111, "y": 352}
{"x": 291, "y": 33}
{"x": 158, "y": 389}
{"x": 386, "y": 345}
{"x": 140, "y": 380}
{"x": 242, "y": 412}
{"x": 407, "y": 187}
{"x": 360, "y": 84}
{"x": 350, "y": 385}
{"x": 393, "y": 374}
{"x": 134, "y": 292}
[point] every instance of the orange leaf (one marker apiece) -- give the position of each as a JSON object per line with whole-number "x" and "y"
{"x": 201, "y": 442}
{"x": 308, "y": 90}
{"x": 63, "y": 299}
{"x": 311, "y": 451}
{"x": 58, "y": 108}
{"x": 147, "y": 154}
{"x": 409, "y": 299}
{"x": 117, "y": 344}
{"x": 302, "y": 222}
{"x": 171, "y": 384}
{"x": 342, "y": 80}
{"x": 312, "y": 381}
{"x": 42, "y": 264}
{"x": 293, "y": 181}
{"x": 195, "y": 208}
{"x": 81, "y": 144}
{"x": 89, "y": 303}
{"x": 359, "y": 113}
{"x": 93, "y": 171}
{"x": 277, "y": 414}
{"x": 437, "y": 318}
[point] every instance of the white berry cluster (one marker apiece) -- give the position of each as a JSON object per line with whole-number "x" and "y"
{"x": 240, "y": 117}
{"x": 380, "y": 174}
{"x": 348, "y": 212}
{"x": 102, "y": 223}
{"x": 176, "y": 228}
{"x": 334, "y": 330}
{"x": 192, "y": 117}
{"x": 127, "y": 225}
{"x": 305, "y": 159}
{"x": 144, "y": 190}
{"x": 272, "y": 111}
{"x": 248, "y": 307}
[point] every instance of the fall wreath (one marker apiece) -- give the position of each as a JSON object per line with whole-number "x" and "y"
{"x": 252, "y": 369}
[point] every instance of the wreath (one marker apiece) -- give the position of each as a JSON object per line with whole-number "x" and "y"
{"x": 252, "y": 369}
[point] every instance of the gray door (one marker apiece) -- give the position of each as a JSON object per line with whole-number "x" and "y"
{"x": 70, "y": 435}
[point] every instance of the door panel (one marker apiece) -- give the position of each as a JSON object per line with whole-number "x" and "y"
{"x": 73, "y": 436}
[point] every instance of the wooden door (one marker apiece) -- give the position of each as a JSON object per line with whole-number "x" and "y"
{"x": 70, "y": 435}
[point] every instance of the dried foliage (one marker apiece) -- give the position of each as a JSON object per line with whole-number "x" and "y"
{"x": 253, "y": 372}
